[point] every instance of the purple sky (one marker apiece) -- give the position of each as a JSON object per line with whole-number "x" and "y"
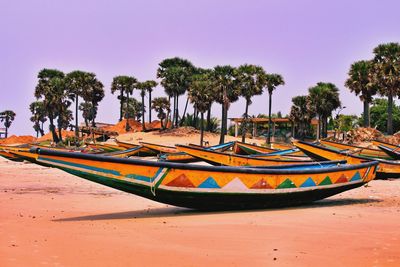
{"x": 305, "y": 41}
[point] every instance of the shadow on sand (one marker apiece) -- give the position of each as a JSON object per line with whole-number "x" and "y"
{"x": 176, "y": 211}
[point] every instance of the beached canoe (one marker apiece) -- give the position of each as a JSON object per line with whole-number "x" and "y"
{"x": 186, "y": 158}
{"x": 144, "y": 151}
{"x": 386, "y": 168}
{"x": 248, "y": 149}
{"x": 392, "y": 152}
{"x": 210, "y": 187}
{"x": 360, "y": 151}
{"x": 160, "y": 148}
{"x": 381, "y": 143}
{"x": 225, "y": 159}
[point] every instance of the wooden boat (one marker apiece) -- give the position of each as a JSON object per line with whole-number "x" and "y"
{"x": 360, "y": 151}
{"x": 211, "y": 187}
{"x": 381, "y": 143}
{"x": 220, "y": 158}
{"x": 392, "y": 152}
{"x": 183, "y": 157}
{"x": 160, "y": 148}
{"x": 281, "y": 146}
{"x": 248, "y": 149}
{"x": 107, "y": 148}
{"x": 144, "y": 150}
{"x": 139, "y": 151}
{"x": 386, "y": 168}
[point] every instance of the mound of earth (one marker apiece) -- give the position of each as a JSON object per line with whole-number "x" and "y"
{"x": 23, "y": 139}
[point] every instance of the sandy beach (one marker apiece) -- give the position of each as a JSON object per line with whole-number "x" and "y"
{"x": 48, "y": 217}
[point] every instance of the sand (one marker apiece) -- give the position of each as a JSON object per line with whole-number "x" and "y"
{"x": 51, "y": 218}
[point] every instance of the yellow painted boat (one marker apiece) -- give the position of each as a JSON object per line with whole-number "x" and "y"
{"x": 213, "y": 187}
{"x": 225, "y": 159}
{"x": 380, "y": 143}
{"x": 360, "y": 151}
{"x": 250, "y": 149}
{"x": 144, "y": 150}
{"x": 160, "y": 148}
{"x": 386, "y": 168}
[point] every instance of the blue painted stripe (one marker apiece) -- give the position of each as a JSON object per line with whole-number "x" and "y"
{"x": 80, "y": 166}
{"x": 308, "y": 183}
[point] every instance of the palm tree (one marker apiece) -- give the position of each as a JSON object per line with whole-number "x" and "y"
{"x": 62, "y": 112}
{"x": 201, "y": 94}
{"x": 301, "y": 116}
{"x": 162, "y": 106}
{"x": 124, "y": 84}
{"x": 226, "y": 92}
{"x": 144, "y": 87}
{"x": 175, "y": 74}
{"x": 133, "y": 110}
{"x": 360, "y": 82}
{"x": 251, "y": 81}
{"x": 387, "y": 75}
{"x": 149, "y": 86}
{"x": 92, "y": 95}
{"x": 48, "y": 90}
{"x": 77, "y": 85}
{"x": 323, "y": 99}
{"x": 7, "y": 117}
{"x": 273, "y": 81}
{"x": 38, "y": 116}
{"x": 87, "y": 112}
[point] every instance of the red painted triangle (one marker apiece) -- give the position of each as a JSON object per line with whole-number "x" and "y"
{"x": 342, "y": 179}
{"x": 181, "y": 181}
{"x": 262, "y": 184}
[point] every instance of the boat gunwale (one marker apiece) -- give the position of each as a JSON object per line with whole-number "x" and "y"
{"x": 241, "y": 156}
{"x": 360, "y": 147}
{"x": 230, "y": 169}
{"x": 351, "y": 155}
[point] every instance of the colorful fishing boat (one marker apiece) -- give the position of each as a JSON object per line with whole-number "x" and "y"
{"x": 186, "y": 158}
{"x": 248, "y": 149}
{"x": 386, "y": 144}
{"x": 360, "y": 151}
{"x": 226, "y": 159}
{"x": 107, "y": 148}
{"x": 392, "y": 152}
{"x": 139, "y": 151}
{"x": 160, "y": 148}
{"x": 211, "y": 187}
{"x": 386, "y": 169}
{"x": 144, "y": 151}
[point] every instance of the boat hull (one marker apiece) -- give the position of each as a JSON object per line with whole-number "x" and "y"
{"x": 212, "y": 188}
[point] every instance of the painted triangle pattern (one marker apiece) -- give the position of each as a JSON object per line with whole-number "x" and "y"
{"x": 209, "y": 183}
{"x": 181, "y": 181}
{"x": 307, "y": 183}
{"x": 287, "y": 184}
{"x": 342, "y": 179}
{"x": 262, "y": 184}
{"x": 356, "y": 177}
{"x": 235, "y": 184}
{"x": 326, "y": 181}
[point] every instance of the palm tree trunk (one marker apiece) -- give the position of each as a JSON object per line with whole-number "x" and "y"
{"x": 222, "y": 135}
{"x": 76, "y": 118}
{"x": 6, "y": 132}
{"x": 184, "y": 112}
{"x": 319, "y": 127}
{"x": 168, "y": 117}
{"x": 41, "y": 130}
{"x": 127, "y": 127}
{"x": 208, "y": 128}
{"x": 177, "y": 112}
{"x": 52, "y": 129}
{"x": 150, "y": 106}
{"x": 244, "y": 126}
{"x": 390, "y": 114}
{"x": 201, "y": 129}
{"x": 366, "y": 114}
{"x": 143, "y": 122}
{"x": 121, "y": 95}
{"x": 173, "y": 114}
{"x": 269, "y": 119}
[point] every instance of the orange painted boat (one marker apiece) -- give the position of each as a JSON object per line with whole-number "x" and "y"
{"x": 386, "y": 168}
{"x": 160, "y": 148}
{"x": 144, "y": 150}
{"x": 226, "y": 159}
{"x": 249, "y": 149}
{"x": 360, "y": 151}
{"x": 380, "y": 143}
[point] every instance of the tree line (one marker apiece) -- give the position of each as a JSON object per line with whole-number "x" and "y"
{"x": 56, "y": 91}
{"x": 366, "y": 78}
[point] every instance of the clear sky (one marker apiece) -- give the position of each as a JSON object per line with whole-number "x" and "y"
{"x": 305, "y": 41}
